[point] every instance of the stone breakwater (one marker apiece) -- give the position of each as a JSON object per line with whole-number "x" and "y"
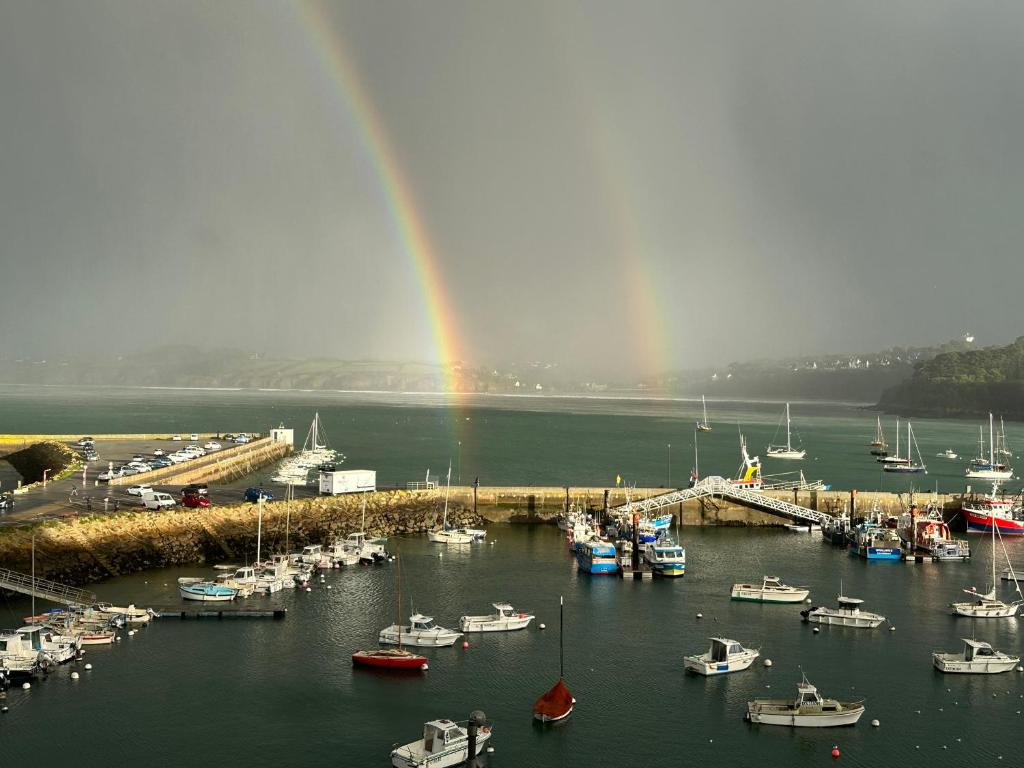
{"x": 83, "y": 550}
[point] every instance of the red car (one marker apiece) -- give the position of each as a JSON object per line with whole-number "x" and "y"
{"x": 194, "y": 500}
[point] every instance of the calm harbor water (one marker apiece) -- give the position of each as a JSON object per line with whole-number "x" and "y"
{"x": 512, "y": 441}
{"x": 262, "y": 693}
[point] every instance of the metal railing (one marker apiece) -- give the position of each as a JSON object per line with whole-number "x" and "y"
{"x": 719, "y": 486}
{"x": 45, "y": 590}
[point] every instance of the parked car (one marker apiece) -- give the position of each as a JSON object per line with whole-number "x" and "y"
{"x": 6, "y": 503}
{"x": 195, "y": 500}
{"x": 200, "y": 488}
{"x": 128, "y": 470}
{"x": 253, "y": 494}
{"x": 193, "y": 437}
{"x": 179, "y": 456}
{"x": 160, "y": 462}
{"x": 86, "y": 441}
{"x": 91, "y": 456}
{"x": 139, "y": 490}
{"x": 229, "y": 436}
{"x": 195, "y": 450}
{"x": 138, "y": 457}
{"x": 212, "y": 446}
{"x": 176, "y": 438}
{"x": 158, "y": 451}
{"x": 242, "y": 438}
{"x": 110, "y": 474}
{"x": 157, "y": 500}
{"x": 140, "y": 466}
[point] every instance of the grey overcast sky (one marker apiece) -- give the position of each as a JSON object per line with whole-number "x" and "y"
{"x": 611, "y": 185}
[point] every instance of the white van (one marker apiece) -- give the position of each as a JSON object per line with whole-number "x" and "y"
{"x": 157, "y": 500}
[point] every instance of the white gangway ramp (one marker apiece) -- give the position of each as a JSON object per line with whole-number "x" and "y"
{"x": 719, "y": 486}
{"x": 46, "y": 590}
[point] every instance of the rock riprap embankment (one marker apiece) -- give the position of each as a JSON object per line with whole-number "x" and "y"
{"x": 86, "y": 549}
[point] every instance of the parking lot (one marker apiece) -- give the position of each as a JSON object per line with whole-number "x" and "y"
{"x": 85, "y": 492}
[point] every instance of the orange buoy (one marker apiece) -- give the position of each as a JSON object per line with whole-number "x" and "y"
{"x": 465, "y": 645}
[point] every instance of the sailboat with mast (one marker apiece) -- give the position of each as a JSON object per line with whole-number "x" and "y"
{"x": 878, "y": 446}
{"x": 987, "y": 606}
{"x": 908, "y": 466}
{"x": 558, "y": 702}
{"x": 990, "y": 468}
{"x": 392, "y": 658}
{"x": 449, "y": 535}
{"x": 786, "y": 451}
{"x": 704, "y": 426}
{"x": 896, "y": 459}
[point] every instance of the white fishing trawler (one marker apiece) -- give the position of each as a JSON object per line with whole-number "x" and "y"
{"x": 723, "y": 656}
{"x": 770, "y": 590}
{"x": 809, "y": 710}
{"x": 421, "y": 631}
{"x": 505, "y": 619}
{"x": 977, "y": 658}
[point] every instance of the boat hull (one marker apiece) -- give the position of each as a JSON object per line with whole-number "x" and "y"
{"x": 422, "y": 640}
{"x": 492, "y": 624}
{"x": 990, "y": 474}
{"x": 952, "y": 664}
{"x": 837, "y": 618}
{"x": 759, "y": 595}
{"x": 876, "y": 553}
{"x": 772, "y": 714}
{"x": 410, "y": 661}
{"x": 203, "y": 597}
{"x": 702, "y": 665}
{"x": 982, "y": 523}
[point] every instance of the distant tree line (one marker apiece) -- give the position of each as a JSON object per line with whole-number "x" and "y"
{"x": 963, "y": 383}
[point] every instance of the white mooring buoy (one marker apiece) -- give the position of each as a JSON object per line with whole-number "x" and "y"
{"x": 543, "y": 626}
{"x": 875, "y": 723}
{"x": 700, "y": 615}
{"x": 26, "y": 686}
{"x": 767, "y": 662}
{"x": 88, "y": 666}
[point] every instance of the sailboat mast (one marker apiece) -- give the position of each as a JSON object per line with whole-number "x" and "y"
{"x": 561, "y": 642}
{"x": 897, "y": 437}
{"x": 259, "y": 530}
{"x": 447, "y": 488}
{"x": 398, "y": 602}
{"x": 789, "y": 446}
{"x": 991, "y": 453}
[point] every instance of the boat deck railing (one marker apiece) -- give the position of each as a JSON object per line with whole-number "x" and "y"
{"x": 718, "y": 486}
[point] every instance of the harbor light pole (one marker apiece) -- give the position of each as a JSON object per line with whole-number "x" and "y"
{"x": 696, "y": 459}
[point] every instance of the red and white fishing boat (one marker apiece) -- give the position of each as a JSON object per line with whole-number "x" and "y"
{"x": 392, "y": 658}
{"x": 981, "y": 514}
{"x": 557, "y": 703}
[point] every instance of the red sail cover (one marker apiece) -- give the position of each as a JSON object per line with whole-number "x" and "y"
{"x": 555, "y": 703}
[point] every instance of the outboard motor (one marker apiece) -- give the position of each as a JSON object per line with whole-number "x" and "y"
{"x": 806, "y": 614}
{"x": 477, "y": 719}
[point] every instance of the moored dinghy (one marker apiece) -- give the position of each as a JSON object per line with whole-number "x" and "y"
{"x": 977, "y": 658}
{"x": 771, "y": 590}
{"x": 723, "y": 656}
{"x": 809, "y": 710}
{"x": 506, "y": 619}
{"x": 205, "y": 591}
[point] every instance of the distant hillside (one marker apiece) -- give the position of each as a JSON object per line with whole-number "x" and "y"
{"x": 963, "y": 383}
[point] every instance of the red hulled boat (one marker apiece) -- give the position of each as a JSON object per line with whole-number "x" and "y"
{"x": 389, "y": 658}
{"x": 557, "y": 703}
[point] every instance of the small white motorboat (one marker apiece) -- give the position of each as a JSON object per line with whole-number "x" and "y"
{"x": 205, "y": 591}
{"x": 665, "y": 558}
{"x": 802, "y": 527}
{"x": 506, "y": 619}
{"x": 771, "y": 590}
{"x": 60, "y": 648}
{"x": 949, "y": 453}
{"x": 723, "y": 656}
{"x": 478, "y": 534}
{"x": 444, "y": 743}
{"x": 449, "y": 536}
{"x": 809, "y": 710}
{"x": 977, "y": 658}
{"x": 848, "y": 614}
{"x": 131, "y": 614}
{"x": 421, "y": 631}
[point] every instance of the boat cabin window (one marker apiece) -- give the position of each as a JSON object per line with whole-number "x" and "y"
{"x": 984, "y": 652}
{"x": 735, "y": 648}
{"x": 718, "y": 653}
